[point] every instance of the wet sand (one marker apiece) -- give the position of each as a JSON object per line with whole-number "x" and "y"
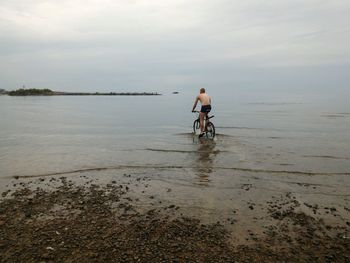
{"x": 146, "y": 215}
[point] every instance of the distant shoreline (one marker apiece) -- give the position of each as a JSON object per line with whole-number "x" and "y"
{"x": 48, "y": 92}
{"x": 105, "y": 94}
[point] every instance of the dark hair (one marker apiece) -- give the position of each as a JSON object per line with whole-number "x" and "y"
{"x": 202, "y": 90}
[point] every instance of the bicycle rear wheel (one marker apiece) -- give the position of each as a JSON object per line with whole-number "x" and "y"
{"x": 196, "y": 127}
{"x": 210, "y": 130}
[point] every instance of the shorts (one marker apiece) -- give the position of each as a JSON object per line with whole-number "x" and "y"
{"x": 206, "y": 108}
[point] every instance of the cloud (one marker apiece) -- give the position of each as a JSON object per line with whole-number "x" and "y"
{"x": 131, "y": 43}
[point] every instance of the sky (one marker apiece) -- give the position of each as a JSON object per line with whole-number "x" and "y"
{"x": 157, "y": 45}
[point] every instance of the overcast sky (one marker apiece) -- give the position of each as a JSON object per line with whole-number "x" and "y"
{"x": 155, "y": 45}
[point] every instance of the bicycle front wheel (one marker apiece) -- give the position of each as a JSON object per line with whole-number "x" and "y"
{"x": 196, "y": 127}
{"x": 210, "y": 130}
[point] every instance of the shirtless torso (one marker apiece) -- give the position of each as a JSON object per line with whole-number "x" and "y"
{"x": 205, "y": 100}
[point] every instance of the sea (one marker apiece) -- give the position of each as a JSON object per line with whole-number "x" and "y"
{"x": 272, "y": 132}
{"x": 268, "y": 146}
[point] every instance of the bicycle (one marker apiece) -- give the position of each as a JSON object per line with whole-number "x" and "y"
{"x": 209, "y": 127}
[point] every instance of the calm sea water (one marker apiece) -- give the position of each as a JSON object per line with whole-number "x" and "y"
{"x": 279, "y": 132}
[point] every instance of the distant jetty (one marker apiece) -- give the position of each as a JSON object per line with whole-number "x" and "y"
{"x": 48, "y": 92}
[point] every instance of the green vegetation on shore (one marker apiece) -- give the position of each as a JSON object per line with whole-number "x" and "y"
{"x": 48, "y": 92}
{"x": 31, "y": 92}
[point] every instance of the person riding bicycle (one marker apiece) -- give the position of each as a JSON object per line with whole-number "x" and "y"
{"x": 205, "y": 109}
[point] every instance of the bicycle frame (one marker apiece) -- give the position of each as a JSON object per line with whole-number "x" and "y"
{"x": 206, "y": 119}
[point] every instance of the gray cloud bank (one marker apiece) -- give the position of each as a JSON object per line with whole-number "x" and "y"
{"x": 109, "y": 45}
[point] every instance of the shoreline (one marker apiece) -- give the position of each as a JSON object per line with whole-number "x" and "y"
{"x": 123, "y": 219}
{"x": 91, "y": 94}
{"x": 49, "y": 92}
{"x": 105, "y": 94}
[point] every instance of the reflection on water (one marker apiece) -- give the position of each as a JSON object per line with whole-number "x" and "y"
{"x": 205, "y": 156}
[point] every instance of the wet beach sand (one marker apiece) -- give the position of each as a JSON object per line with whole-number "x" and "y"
{"x": 139, "y": 214}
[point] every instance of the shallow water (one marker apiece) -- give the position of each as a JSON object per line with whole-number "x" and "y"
{"x": 267, "y": 149}
{"x": 46, "y": 135}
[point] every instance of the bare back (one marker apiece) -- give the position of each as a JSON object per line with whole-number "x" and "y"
{"x": 204, "y": 98}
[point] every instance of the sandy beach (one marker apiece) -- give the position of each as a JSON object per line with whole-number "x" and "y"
{"x": 132, "y": 217}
